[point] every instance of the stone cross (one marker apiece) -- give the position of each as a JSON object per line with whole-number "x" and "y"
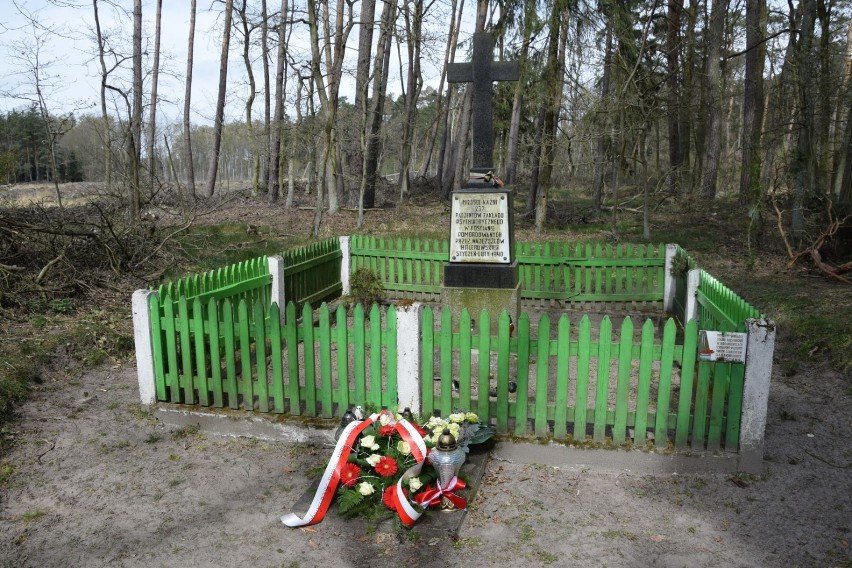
{"x": 482, "y": 71}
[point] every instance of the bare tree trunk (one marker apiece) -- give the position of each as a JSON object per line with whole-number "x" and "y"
{"x": 278, "y": 121}
{"x": 135, "y": 137}
{"x": 536, "y": 161}
{"x": 187, "y": 128}
{"x": 603, "y": 143}
{"x": 255, "y": 180}
{"x": 220, "y": 102}
{"x": 155, "y": 74}
{"x": 267, "y": 96}
{"x": 413, "y": 25}
{"x": 750, "y": 190}
{"x": 517, "y": 100}
{"x": 802, "y": 166}
{"x": 554, "y": 75}
{"x": 107, "y": 132}
{"x": 673, "y": 101}
{"x": 362, "y": 84}
{"x": 842, "y": 187}
{"x": 686, "y": 102}
{"x": 445, "y": 153}
{"x": 381, "y": 62}
{"x": 714, "y": 90}
{"x": 441, "y": 110}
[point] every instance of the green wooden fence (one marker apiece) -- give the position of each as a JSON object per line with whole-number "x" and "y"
{"x": 404, "y": 266}
{"x": 218, "y": 340}
{"x": 249, "y": 279}
{"x": 240, "y": 355}
{"x": 547, "y": 271}
{"x": 573, "y": 383}
{"x": 719, "y": 307}
{"x": 312, "y": 273}
{"x": 570, "y": 384}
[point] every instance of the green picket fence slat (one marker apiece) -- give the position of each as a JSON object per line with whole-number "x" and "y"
{"x": 563, "y": 341}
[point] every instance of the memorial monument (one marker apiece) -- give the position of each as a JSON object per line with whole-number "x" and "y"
{"x": 482, "y": 273}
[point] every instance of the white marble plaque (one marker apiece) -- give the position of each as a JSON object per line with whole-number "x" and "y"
{"x": 479, "y": 228}
{"x": 727, "y": 347}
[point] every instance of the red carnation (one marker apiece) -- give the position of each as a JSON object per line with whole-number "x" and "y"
{"x": 386, "y": 430}
{"x": 386, "y": 496}
{"x": 349, "y": 474}
{"x": 386, "y": 466}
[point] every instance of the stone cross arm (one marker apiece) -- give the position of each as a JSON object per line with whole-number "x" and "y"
{"x": 482, "y": 71}
{"x": 500, "y": 71}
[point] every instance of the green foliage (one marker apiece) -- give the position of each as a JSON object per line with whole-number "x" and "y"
{"x": 15, "y": 379}
{"x": 366, "y": 286}
{"x": 25, "y": 147}
{"x": 348, "y": 500}
{"x": 62, "y": 306}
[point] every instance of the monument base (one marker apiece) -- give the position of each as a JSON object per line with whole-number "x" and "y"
{"x": 475, "y": 300}
{"x": 480, "y": 275}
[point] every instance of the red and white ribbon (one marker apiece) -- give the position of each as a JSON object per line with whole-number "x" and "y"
{"x": 407, "y": 513}
{"x": 331, "y": 477}
{"x": 433, "y": 496}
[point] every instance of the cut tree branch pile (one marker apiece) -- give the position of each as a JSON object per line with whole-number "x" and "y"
{"x": 812, "y": 251}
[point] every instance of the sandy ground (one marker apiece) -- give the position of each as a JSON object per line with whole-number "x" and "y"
{"x": 89, "y": 479}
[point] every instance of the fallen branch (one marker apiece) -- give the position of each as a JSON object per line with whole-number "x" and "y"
{"x": 813, "y": 250}
{"x": 11, "y": 268}
{"x": 47, "y": 267}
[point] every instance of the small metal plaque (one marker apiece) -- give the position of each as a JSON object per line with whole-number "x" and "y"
{"x": 479, "y": 228}
{"x": 722, "y": 347}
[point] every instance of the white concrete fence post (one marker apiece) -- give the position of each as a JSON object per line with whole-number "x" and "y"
{"x": 760, "y": 346}
{"x": 693, "y": 278}
{"x": 144, "y": 347}
{"x": 344, "y": 266}
{"x": 669, "y": 284}
{"x": 278, "y": 296}
{"x": 408, "y": 356}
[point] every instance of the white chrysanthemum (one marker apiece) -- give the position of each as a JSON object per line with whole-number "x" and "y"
{"x": 471, "y": 417}
{"x": 458, "y": 417}
{"x": 365, "y": 489}
{"x": 374, "y": 459}
{"x": 434, "y": 422}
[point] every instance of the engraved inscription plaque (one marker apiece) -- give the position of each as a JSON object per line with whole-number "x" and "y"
{"x": 721, "y": 346}
{"x": 479, "y": 229}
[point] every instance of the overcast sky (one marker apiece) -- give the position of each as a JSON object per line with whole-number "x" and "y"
{"x": 73, "y": 71}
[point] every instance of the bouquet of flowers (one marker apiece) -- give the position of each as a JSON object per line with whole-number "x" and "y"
{"x": 380, "y": 458}
{"x": 383, "y": 461}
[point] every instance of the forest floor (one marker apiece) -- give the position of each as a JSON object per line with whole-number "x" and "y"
{"x": 88, "y": 478}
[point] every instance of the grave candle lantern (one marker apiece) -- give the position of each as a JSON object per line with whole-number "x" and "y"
{"x": 447, "y": 458}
